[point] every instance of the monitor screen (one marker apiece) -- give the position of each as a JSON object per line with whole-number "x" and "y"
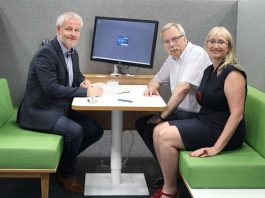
{"x": 124, "y": 41}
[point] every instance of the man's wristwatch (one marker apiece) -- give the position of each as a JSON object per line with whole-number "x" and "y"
{"x": 163, "y": 119}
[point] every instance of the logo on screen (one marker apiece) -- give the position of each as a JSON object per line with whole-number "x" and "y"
{"x": 122, "y": 40}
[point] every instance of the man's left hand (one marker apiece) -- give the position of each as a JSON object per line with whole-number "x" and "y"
{"x": 154, "y": 120}
{"x": 85, "y": 84}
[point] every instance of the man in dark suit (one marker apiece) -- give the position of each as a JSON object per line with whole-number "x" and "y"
{"x": 54, "y": 79}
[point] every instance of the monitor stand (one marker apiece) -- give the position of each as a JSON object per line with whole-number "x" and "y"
{"x": 116, "y": 70}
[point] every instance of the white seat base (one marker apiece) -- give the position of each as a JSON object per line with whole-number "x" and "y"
{"x": 227, "y": 193}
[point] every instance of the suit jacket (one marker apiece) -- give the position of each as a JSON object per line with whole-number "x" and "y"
{"x": 48, "y": 95}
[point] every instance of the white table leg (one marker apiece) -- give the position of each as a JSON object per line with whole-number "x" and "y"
{"x": 116, "y": 183}
{"x": 116, "y": 143}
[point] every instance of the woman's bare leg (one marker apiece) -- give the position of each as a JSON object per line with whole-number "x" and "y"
{"x": 167, "y": 142}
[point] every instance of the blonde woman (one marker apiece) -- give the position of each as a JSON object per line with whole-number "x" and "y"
{"x": 220, "y": 123}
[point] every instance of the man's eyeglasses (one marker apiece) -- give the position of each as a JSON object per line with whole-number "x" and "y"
{"x": 173, "y": 40}
{"x": 218, "y": 42}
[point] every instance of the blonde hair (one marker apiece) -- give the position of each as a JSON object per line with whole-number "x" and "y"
{"x": 230, "y": 57}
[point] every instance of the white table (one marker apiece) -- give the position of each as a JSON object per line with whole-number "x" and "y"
{"x": 117, "y": 183}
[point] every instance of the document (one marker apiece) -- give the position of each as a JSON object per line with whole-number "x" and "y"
{"x": 112, "y": 89}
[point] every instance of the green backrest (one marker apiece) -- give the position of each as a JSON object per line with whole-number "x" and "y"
{"x": 6, "y": 108}
{"x": 255, "y": 120}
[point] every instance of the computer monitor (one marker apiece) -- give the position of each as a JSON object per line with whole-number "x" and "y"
{"x": 124, "y": 41}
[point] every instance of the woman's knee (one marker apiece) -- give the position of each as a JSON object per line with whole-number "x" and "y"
{"x": 160, "y": 133}
{"x": 168, "y": 135}
{"x": 156, "y": 132}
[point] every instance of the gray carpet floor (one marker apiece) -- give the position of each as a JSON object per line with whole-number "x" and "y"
{"x": 30, "y": 188}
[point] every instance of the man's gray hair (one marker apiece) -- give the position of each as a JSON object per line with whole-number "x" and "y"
{"x": 169, "y": 25}
{"x": 66, "y": 16}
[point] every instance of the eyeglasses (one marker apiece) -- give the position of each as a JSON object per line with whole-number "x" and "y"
{"x": 218, "y": 42}
{"x": 173, "y": 40}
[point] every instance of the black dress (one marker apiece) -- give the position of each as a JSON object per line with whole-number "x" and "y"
{"x": 204, "y": 130}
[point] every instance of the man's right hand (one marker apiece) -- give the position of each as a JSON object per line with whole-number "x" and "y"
{"x": 94, "y": 91}
{"x": 150, "y": 92}
{"x": 152, "y": 88}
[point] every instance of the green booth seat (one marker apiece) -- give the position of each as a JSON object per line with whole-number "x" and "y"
{"x": 25, "y": 153}
{"x": 24, "y": 149}
{"x": 241, "y": 168}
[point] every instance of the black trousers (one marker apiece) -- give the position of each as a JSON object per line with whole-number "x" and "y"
{"x": 146, "y": 130}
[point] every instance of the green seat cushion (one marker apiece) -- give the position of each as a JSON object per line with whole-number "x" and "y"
{"x": 254, "y": 116}
{"x": 24, "y": 149}
{"x": 241, "y": 168}
{"x": 6, "y": 108}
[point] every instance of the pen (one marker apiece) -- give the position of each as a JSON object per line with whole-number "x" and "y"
{"x": 123, "y": 100}
{"x": 92, "y": 100}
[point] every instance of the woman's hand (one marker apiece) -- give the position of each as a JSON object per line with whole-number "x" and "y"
{"x": 204, "y": 152}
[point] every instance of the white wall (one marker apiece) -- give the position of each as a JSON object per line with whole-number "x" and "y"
{"x": 251, "y": 40}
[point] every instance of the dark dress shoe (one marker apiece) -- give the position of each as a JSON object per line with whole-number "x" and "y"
{"x": 70, "y": 184}
{"x": 158, "y": 183}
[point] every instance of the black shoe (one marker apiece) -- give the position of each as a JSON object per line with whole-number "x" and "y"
{"x": 158, "y": 183}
